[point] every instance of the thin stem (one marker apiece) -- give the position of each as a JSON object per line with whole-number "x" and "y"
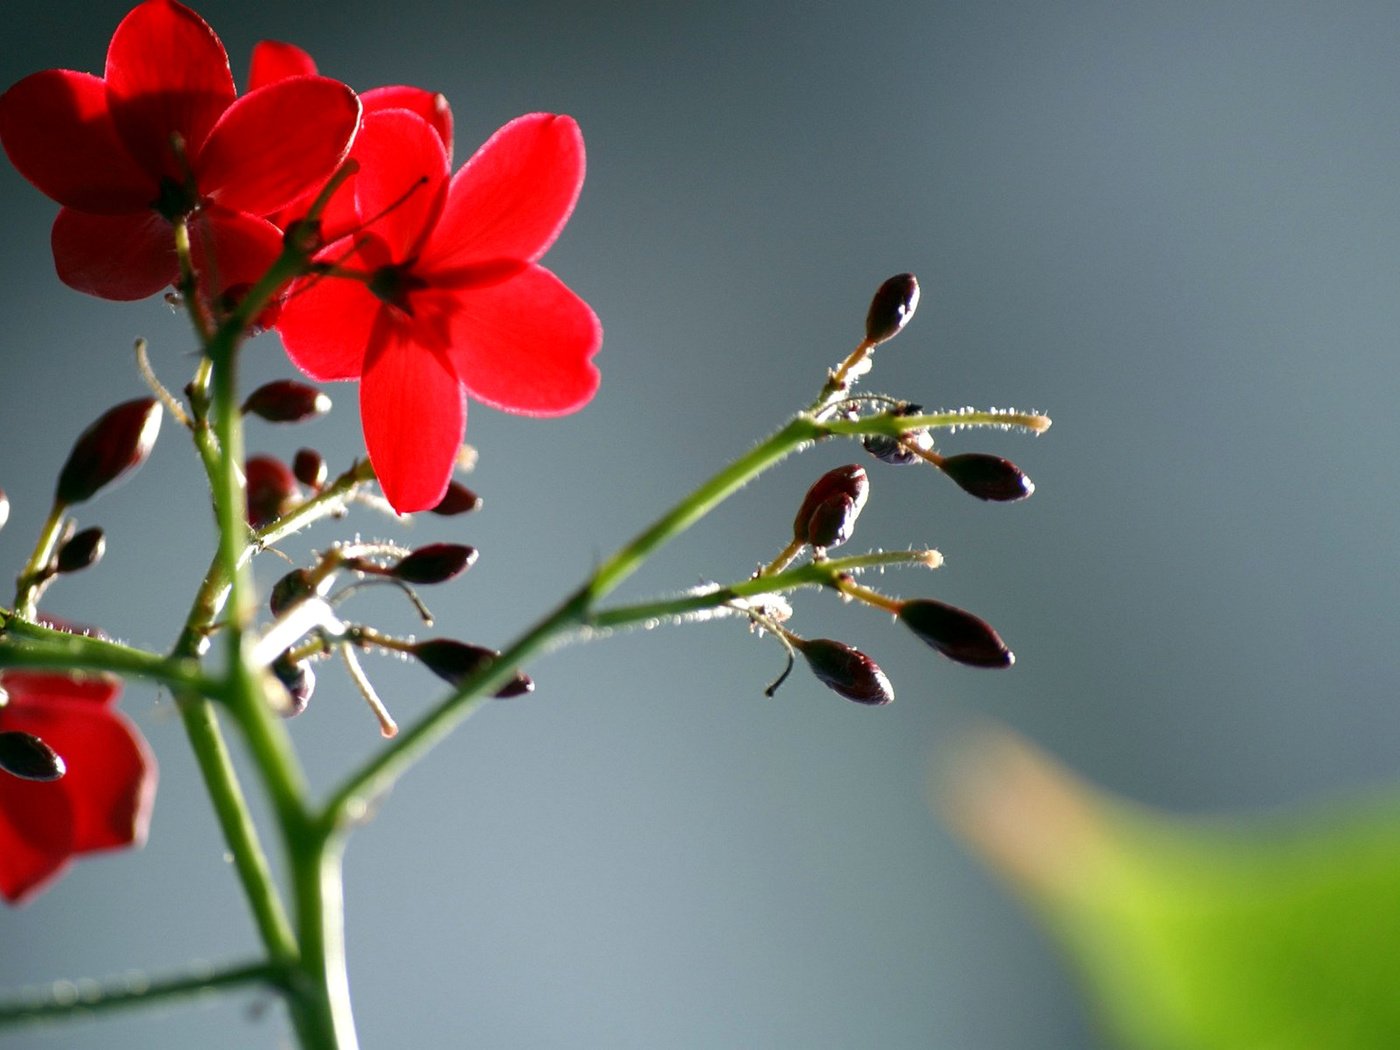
{"x": 70, "y": 1000}
{"x": 35, "y": 571}
{"x": 26, "y": 644}
{"x": 322, "y": 1007}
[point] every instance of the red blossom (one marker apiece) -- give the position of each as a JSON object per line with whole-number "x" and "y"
{"x": 106, "y": 149}
{"x": 103, "y": 801}
{"x": 446, "y": 295}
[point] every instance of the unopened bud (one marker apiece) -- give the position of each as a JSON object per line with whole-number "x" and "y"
{"x": 82, "y": 551}
{"x": 893, "y": 304}
{"x": 309, "y": 468}
{"x": 289, "y": 590}
{"x": 112, "y": 447}
{"x": 896, "y": 450}
{"x": 4, "y": 508}
{"x": 272, "y": 490}
{"x": 459, "y": 500}
{"x": 435, "y": 563}
{"x": 454, "y": 662}
{"x": 29, "y": 758}
{"x": 987, "y": 477}
{"x": 955, "y": 633}
{"x": 828, "y": 513}
{"x": 300, "y": 681}
{"x": 847, "y": 671}
{"x": 286, "y": 401}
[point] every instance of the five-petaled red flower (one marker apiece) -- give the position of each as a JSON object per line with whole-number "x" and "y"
{"x": 163, "y": 136}
{"x": 449, "y": 296}
{"x": 103, "y": 801}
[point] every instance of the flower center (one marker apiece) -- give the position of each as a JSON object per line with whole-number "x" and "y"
{"x": 393, "y": 283}
{"x": 176, "y": 200}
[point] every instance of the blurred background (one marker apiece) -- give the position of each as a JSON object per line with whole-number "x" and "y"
{"x": 1173, "y": 227}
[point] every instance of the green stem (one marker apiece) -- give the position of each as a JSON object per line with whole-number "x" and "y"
{"x": 71, "y": 1000}
{"x": 35, "y": 572}
{"x": 26, "y": 644}
{"x": 322, "y": 1005}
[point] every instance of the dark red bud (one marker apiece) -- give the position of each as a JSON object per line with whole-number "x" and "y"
{"x": 893, "y": 304}
{"x": 83, "y": 550}
{"x": 286, "y": 401}
{"x": 112, "y": 447}
{"x": 459, "y": 500}
{"x": 29, "y": 758}
{"x": 889, "y": 449}
{"x": 987, "y": 477}
{"x": 454, "y": 662}
{"x": 847, "y": 671}
{"x": 309, "y": 468}
{"x": 272, "y": 490}
{"x": 955, "y": 633}
{"x": 300, "y": 681}
{"x": 289, "y": 590}
{"x": 828, "y": 513}
{"x": 435, "y": 563}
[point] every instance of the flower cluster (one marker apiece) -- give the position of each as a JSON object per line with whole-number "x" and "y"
{"x": 424, "y": 285}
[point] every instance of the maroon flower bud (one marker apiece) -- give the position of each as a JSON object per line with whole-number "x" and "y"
{"x": 828, "y": 513}
{"x": 987, "y": 477}
{"x": 300, "y": 681}
{"x": 435, "y": 563}
{"x": 29, "y": 758}
{"x": 956, "y": 634}
{"x": 847, "y": 671}
{"x": 889, "y": 449}
{"x": 272, "y": 490}
{"x": 309, "y": 468}
{"x": 893, "y": 304}
{"x": 81, "y": 551}
{"x": 112, "y": 447}
{"x": 454, "y": 662}
{"x": 289, "y": 590}
{"x": 4, "y": 508}
{"x": 459, "y": 500}
{"x": 286, "y": 401}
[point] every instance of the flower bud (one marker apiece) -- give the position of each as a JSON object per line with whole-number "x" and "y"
{"x": 847, "y": 671}
{"x": 272, "y": 490}
{"x": 4, "y": 508}
{"x": 112, "y": 447}
{"x": 286, "y": 401}
{"x": 289, "y": 590}
{"x": 435, "y": 563}
{"x": 459, "y": 500}
{"x": 29, "y": 758}
{"x": 893, "y": 304}
{"x": 300, "y": 681}
{"x": 309, "y": 468}
{"x": 454, "y": 662}
{"x": 82, "y": 551}
{"x": 892, "y": 450}
{"x": 956, "y": 634}
{"x": 987, "y": 477}
{"x": 828, "y": 513}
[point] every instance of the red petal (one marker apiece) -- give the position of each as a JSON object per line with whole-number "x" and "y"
{"x": 273, "y": 61}
{"x": 232, "y": 250}
{"x": 36, "y": 835}
{"x": 57, "y": 131}
{"x": 325, "y": 327}
{"x": 414, "y": 417}
{"x": 28, "y": 686}
{"x": 524, "y": 344}
{"x": 274, "y": 144}
{"x": 167, "y": 74}
{"x": 122, "y": 257}
{"x": 511, "y": 200}
{"x": 402, "y": 179}
{"x": 111, "y": 777}
{"x": 430, "y": 105}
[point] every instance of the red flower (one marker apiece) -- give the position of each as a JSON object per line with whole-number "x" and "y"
{"x": 104, "y": 799}
{"x": 104, "y": 148}
{"x": 449, "y": 296}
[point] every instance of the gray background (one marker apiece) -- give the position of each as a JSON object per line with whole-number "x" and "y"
{"x": 1175, "y": 227}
